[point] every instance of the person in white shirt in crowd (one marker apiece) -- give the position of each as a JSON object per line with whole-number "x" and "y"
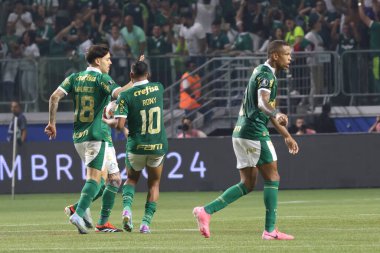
{"x": 20, "y": 19}
{"x": 29, "y": 70}
{"x": 194, "y": 35}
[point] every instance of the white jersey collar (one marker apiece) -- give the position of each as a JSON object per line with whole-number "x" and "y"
{"x": 270, "y": 67}
{"x": 140, "y": 82}
{"x": 93, "y": 69}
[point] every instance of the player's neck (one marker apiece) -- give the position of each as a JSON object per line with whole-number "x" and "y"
{"x": 273, "y": 65}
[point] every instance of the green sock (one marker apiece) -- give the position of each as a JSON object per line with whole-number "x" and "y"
{"x": 89, "y": 191}
{"x": 150, "y": 209}
{"x": 230, "y": 195}
{"x": 108, "y": 201}
{"x": 100, "y": 193}
{"x": 128, "y": 194}
{"x": 101, "y": 190}
{"x": 270, "y": 200}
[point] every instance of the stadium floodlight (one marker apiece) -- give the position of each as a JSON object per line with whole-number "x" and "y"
{"x": 14, "y": 156}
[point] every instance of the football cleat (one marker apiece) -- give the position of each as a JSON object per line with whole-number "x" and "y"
{"x": 77, "y": 221}
{"x": 203, "y": 220}
{"x": 127, "y": 221}
{"x": 276, "y": 235}
{"x": 70, "y": 210}
{"x": 144, "y": 229}
{"x": 107, "y": 228}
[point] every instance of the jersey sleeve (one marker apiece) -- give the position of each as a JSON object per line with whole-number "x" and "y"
{"x": 264, "y": 82}
{"x": 121, "y": 110}
{"x": 67, "y": 85}
{"x": 108, "y": 86}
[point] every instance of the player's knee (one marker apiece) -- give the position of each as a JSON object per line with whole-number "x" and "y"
{"x": 116, "y": 182}
{"x": 250, "y": 185}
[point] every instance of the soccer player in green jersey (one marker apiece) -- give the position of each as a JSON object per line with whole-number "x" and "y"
{"x": 91, "y": 90}
{"x": 252, "y": 145}
{"x": 147, "y": 143}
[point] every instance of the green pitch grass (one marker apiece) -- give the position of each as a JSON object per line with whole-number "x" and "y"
{"x": 321, "y": 220}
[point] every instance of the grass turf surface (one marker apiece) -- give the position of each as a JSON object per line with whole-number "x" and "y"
{"x": 321, "y": 220}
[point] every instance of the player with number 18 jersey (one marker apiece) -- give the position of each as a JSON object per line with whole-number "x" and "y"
{"x": 91, "y": 91}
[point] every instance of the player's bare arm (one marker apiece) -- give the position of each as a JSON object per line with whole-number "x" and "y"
{"x": 50, "y": 129}
{"x": 265, "y": 107}
{"x": 116, "y": 93}
{"x": 289, "y": 141}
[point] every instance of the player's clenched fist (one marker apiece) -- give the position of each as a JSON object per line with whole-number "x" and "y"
{"x": 282, "y": 119}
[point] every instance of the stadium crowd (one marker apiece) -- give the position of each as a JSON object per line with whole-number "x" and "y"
{"x": 169, "y": 29}
{"x": 37, "y": 28}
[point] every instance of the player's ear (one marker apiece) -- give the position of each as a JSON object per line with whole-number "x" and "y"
{"x": 97, "y": 61}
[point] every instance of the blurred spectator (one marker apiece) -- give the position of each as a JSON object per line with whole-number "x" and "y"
{"x": 58, "y": 45}
{"x": 374, "y": 36}
{"x": 278, "y": 34}
{"x": 84, "y": 42}
{"x": 41, "y": 12}
{"x": 134, "y": 36}
{"x": 294, "y": 33}
{"x": 29, "y": 69}
{"x": 44, "y": 34}
{"x": 218, "y": 41}
{"x": 300, "y": 128}
{"x": 10, "y": 70}
{"x": 10, "y": 37}
{"x": 243, "y": 44}
{"x": 164, "y": 14}
{"x": 186, "y": 130}
{"x": 50, "y": 6}
{"x": 206, "y": 12}
{"x": 347, "y": 40}
{"x": 20, "y": 19}
{"x": 158, "y": 45}
{"x": 194, "y": 35}
{"x": 21, "y": 124}
{"x": 250, "y": 18}
{"x": 190, "y": 90}
{"x": 323, "y": 123}
{"x": 375, "y": 128}
{"x": 118, "y": 49}
{"x": 316, "y": 73}
{"x": 139, "y": 12}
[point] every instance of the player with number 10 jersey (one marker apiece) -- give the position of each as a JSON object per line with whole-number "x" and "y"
{"x": 143, "y": 105}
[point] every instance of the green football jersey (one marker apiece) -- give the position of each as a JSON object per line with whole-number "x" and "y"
{"x": 142, "y": 105}
{"x": 252, "y": 122}
{"x": 91, "y": 93}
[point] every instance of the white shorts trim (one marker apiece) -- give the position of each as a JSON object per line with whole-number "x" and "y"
{"x": 88, "y": 150}
{"x": 110, "y": 161}
{"x": 138, "y": 162}
{"x": 247, "y": 152}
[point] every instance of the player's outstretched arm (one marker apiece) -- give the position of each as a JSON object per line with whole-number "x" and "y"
{"x": 289, "y": 141}
{"x": 50, "y": 129}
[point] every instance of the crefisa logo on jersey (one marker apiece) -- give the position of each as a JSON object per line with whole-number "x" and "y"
{"x": 146, "y": 91}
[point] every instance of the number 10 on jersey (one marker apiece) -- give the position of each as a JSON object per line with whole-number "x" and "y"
{"x": 152, "y": 127}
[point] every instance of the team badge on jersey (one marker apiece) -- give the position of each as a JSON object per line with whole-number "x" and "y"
{"x": 264, "y": 83}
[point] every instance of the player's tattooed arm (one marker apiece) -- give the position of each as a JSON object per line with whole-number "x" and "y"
{"x": 263, "y": 104}
{"x": 53, "y": 104}
{"x": 50, "y": 129}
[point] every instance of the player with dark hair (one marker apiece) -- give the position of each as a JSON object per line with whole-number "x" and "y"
{"x": 147, "y": 143}
{"x": 252, "y": 145}
{"x": 91, "y": 91}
